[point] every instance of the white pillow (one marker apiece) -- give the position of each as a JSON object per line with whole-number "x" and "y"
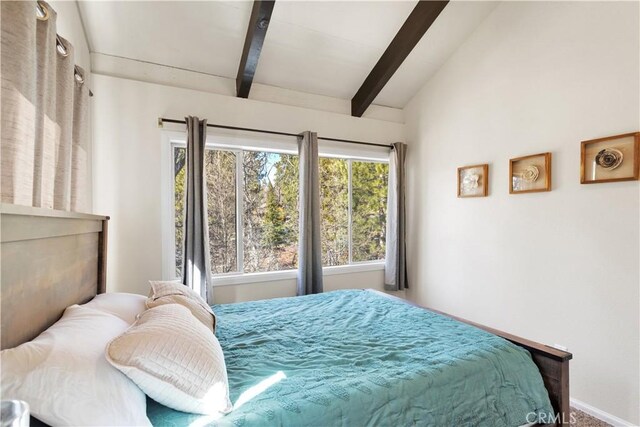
{"x": 165, "y": 292}
{"x": 175, "y": 360}
{"x": 125, "y": 306}
{"x": 66, "y": 380}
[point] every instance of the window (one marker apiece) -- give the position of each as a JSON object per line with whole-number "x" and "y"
{"x": 353, "y": 203}
{"x": 252, "y": 202}
{"x": 369, "y": 215}
{"x": 220, "y": 169}
{"x": 334, "y": 211}
{"x": 270, "y": 213}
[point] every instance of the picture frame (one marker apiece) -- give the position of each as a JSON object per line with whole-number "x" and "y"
{"x": 530, "y": 174}
{"x": 610, "y": 159}
{"x": 473, "y": 181}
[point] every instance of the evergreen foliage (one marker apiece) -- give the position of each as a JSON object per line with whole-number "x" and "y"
{"x": 270, "y": 210}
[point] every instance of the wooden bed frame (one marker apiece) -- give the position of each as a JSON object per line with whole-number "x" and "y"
{"x": 53, "y": 259}
{"x": 50, "y": 260}
{"x": 552, "y": 363}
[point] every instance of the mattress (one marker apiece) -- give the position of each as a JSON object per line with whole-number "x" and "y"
{"x": 356, "y": 358}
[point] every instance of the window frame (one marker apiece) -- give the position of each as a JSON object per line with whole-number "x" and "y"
{"x": 237, "y": 144}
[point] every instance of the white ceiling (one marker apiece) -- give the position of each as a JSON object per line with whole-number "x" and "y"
{"x": 454, "y": 25}
{"x": 200, "y": 36}
{"x": 327, "y": 48}
{"x": 324, "y": 48}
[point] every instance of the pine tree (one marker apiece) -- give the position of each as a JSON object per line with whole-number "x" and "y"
{"x": 286, "y": 183}
{"x": 334, "y": 211}
{"x": 275, "y": 235}
{"x": 179, "y": 172}
{"x": 369, "y": 183}
{"x": 270, "y": 214}
{"x": 220, "y": 170}
{"x": 256, "y": 255}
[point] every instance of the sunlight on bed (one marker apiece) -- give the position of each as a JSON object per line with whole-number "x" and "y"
{"x": 252, "y": 392}
{"x": 261, "y": 387}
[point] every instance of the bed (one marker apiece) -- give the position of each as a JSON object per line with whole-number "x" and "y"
{"x": 339, "y": 358}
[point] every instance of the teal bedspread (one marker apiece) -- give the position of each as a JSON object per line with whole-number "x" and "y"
{"x": 356, "y": 358}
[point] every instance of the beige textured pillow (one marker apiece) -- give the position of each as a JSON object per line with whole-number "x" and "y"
{"x": 175, "y": 360}
{"x": 176, "y": 293}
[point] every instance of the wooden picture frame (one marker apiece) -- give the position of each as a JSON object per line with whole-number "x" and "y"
{"x": 610, "y": 159}
{"x": 530, "y": 174}
{"x": 478, "y": 186}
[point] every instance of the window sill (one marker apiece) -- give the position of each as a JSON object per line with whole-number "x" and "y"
{"x": 270, "y": 276}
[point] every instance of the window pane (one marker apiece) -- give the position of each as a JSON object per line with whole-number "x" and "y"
{"x": 334, "y": 211}
{"x": 179, "y": 171}
{"x": 270, "y": 211}
{"x": 369, "y": 210}
{"x": 220, "y": 168}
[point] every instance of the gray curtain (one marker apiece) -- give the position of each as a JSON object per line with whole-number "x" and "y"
{"x": 45, "y": 142}
{"x": 395, "y": 269}
{"x": 196, "y": 269}
{"x": 310, "y": 249}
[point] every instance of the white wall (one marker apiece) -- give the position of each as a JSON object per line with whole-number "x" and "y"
{"x": 559, "y": 267}
{"x": 170, "y": 76}
{"x": 255, "y": 291}
{"x": 127, "y": 171}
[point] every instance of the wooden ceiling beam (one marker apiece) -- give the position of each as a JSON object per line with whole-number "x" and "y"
{"x": 418, "y": 22}
{"x": 256, "y": 32}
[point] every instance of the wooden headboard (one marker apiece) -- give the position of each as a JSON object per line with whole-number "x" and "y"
{"x": 49, "y": 261}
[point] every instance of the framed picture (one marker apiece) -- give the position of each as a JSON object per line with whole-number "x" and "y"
{"x": 530, "y": 174}
{"x": 610, "y": 159}
{"x": 473, "y": 181}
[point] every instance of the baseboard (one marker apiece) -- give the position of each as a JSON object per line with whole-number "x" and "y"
{"x": 600, "y": 414}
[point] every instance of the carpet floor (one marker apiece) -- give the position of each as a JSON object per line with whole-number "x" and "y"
{"x": 585, "y": 420}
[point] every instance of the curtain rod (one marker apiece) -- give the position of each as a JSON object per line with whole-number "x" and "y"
{"x": 161, "y": 120}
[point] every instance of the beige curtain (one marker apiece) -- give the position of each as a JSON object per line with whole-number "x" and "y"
{"x": 45, "y": 141}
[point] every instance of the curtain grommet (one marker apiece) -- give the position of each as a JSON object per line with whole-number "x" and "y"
{"x": 61, "y": 46}
{"x": 42, "y": 11}
{"x": 78, "y": 75}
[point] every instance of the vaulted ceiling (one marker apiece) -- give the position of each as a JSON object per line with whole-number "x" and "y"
{"x": 319, "y": 47}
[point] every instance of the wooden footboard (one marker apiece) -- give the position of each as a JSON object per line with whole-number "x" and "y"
{"x": 552, "y": 363}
